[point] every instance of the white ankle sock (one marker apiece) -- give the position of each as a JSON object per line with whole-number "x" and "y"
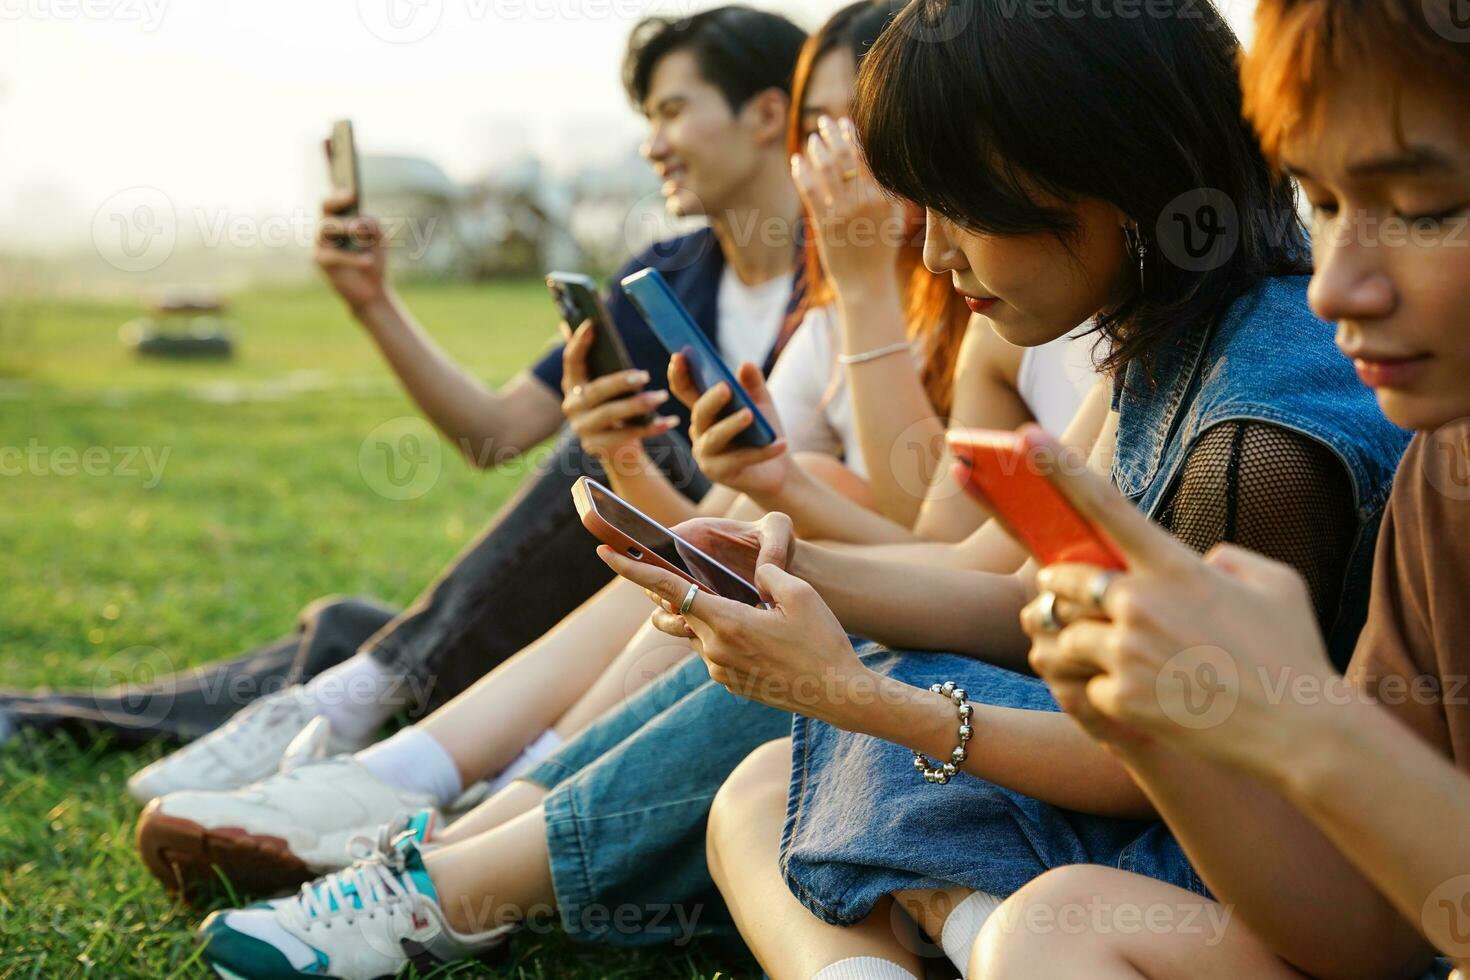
{"x": 546, "y": 743}
{"x": 354, "y": 695}
{"x": 413, "y": 760}
{"x": 962, "y": 928}
{"x": 863, "y": 968}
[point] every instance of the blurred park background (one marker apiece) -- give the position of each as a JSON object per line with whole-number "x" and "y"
{"x": 157, "y": 513}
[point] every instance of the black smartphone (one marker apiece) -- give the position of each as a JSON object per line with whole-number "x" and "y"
{"x": 577, "y": 298}
{"x": 344, "y": 173}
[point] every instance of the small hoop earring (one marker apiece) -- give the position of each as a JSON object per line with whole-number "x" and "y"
{"x": 1137, "y": 246}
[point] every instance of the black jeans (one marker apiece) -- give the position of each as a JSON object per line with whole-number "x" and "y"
{"x": 528, "y": 570}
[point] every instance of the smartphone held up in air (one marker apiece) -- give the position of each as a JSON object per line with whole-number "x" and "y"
{"x": 345, "y": 174}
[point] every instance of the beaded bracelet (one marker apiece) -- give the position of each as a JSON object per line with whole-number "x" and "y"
{"x": 942, "y": 774}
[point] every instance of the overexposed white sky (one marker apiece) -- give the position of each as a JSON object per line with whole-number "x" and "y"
{"x": 222, "y": 104}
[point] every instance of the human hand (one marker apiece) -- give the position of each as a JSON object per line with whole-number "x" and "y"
{"x": 760, "y": 473}
{"x": 604, "y": 412}
{"x": 859, "y": 229}
{"x": 1196, "y": 652}
{"x": 740, "y": 546}
{"x": 359, "y": 274}
{"x": 793, "y": 655}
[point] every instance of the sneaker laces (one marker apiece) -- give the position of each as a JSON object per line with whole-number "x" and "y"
{"x": 374, "y": 881}
{"x": 382, "y": 846}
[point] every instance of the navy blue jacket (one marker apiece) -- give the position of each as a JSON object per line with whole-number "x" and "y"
{"x": 692, "y": 264}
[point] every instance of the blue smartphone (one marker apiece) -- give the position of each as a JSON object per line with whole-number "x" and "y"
{"x": 677, "y": 331}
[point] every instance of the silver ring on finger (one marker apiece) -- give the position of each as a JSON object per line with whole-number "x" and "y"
{"x": 1047, "y": 611}
{"x": 576, "y": 391}
{"x": 689, "y": 598}
{"x": 1097, "y": 588}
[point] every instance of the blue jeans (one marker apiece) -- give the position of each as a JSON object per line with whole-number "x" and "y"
{"x": 629, "y": 801}
{"x": 861, "y": 823}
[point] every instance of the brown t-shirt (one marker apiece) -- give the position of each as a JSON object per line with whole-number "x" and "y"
{"x": 1414, "y": 653}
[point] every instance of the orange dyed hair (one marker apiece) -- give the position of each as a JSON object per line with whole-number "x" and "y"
{"x": 936, "y": 315}
{"x": 1301, "y": 46}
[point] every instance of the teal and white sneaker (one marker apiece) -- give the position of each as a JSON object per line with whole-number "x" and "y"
{"x": 367, "y": 922}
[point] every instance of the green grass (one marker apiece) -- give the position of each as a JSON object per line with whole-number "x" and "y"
{"x": 221, "y": 499}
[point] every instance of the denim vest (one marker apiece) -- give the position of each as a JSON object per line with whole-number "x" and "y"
{"x": 1268, "y": 359}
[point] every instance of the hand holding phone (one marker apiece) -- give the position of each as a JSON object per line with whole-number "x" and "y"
{"x": 677, "y": 331}
{"x": 713, "y": 431}
{"x": 349, "y": 245}
{"x": 1006, "y": 472}
{"x": 575, "y": 295}
{"x": 627, "y": 530}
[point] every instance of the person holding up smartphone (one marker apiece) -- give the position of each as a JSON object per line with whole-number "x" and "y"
{"x": 716, "y": 132}
{"x": 652, "y": 857}
{"x": 715, "y": 91}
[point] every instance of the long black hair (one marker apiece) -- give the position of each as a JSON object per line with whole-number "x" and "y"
{"x": 974, "y": 107}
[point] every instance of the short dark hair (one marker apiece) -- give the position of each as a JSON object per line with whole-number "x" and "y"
{"x": 739, "y": 50}
{"x": 972, "y": 107}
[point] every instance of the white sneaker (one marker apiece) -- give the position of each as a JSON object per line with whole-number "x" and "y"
{"x": 272, "y": 834}
{"x": 244, "y": 749}
{"x": 367, "y": 922}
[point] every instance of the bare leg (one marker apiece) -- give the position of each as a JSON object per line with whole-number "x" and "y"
{"x": 499, "y": 876}
{"x": 536, "y": 688}
{"x": 930, "y": 908}
{"x": 512, "y": 801}
{"x": 1096, "y": 922}
{"x": 742, "y": 847}
{"x": 525, "y": 695}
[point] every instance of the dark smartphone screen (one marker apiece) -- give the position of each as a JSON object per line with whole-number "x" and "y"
{"x": 671, "y": 548}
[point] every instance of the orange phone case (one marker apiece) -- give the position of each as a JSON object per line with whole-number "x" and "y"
{"x": 1003, "y": 470}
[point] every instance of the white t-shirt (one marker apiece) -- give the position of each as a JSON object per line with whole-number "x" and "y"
{"x": 1055, "y": 377}
{"x": 809, "y": 387}
{"x": 750, "y": 317}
